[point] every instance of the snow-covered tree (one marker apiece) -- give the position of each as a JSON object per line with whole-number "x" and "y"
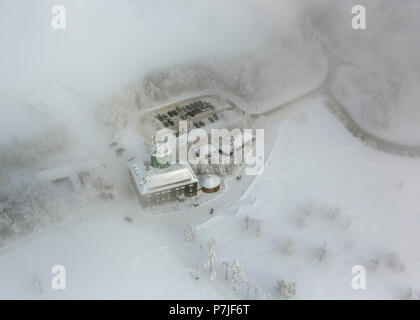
{"x": 94, "y": 186}
{"x": 393, "y": 261}
{"x": 28, "y": 208}
{"x": 254, "y": 224}
{"x": 390, "y": 260}
{"x": 307, "y": 211}
{"x": 258, "y": 226}
{"x": 333, "y": 214}
{"x": 211, "y": 243}
{"x": 210, "y": 262}
{"x": 238, "y": 277}
{"x": 35, "y": 149}
{"x": 38, "y": 283}
{"x": 322, "y": 253}
{"x": 301, "y": 220}
{"x": 248, "y": 285}
{"x": 256, "y": 291}
{"x": 190, "y": 233}
{"x": 285, "y": 290}
{"x": 289, "y": 246}
{"x": 411, "y": 295}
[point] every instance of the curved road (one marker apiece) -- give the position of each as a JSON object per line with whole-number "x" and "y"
{"x": 340, "y": 112}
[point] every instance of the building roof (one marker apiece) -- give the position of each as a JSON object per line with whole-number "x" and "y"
{"x": 70, "y": 171}
{"x": 209, "y": 181}
{"x": 169, "y": 178}
{"x": 156, "y": 180}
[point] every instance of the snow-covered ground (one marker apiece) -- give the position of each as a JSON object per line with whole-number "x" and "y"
{"x": 105, "y": 257}
{"x": 364, "y": 205}
{"x": 325, "y": 201}
{"x": 320, "y": 186}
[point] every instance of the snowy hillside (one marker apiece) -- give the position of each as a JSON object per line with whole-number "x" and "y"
{"x": 307, "y": 198}
{"x": 360, "y": 203}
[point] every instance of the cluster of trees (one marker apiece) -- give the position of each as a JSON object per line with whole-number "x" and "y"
{"x": 285, "y": 290}
{"x": 390, "y": 261}
{"x": 333, "y": 214}
{"x": 232, "y": 271}
{"x": 372, "y": 97}
{"x": 27, "y": 209}
{"x": 24, "y": 152}
{"x": 255, "y": 77}
{"x": 115, "y": 112}
{"x": 94, "y": 187}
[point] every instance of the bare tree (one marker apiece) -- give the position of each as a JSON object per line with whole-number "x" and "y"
{"x": 226, "y": 264}
{"x": 247, "y": 221}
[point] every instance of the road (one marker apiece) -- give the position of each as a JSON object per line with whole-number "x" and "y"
{"x": 334, "y": 61}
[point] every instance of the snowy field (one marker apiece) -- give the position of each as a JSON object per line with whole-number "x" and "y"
{"x": 318, "y": 189}
{"x": 108, "y": 257}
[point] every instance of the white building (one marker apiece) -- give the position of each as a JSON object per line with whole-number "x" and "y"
{"x": 155, "y": 186}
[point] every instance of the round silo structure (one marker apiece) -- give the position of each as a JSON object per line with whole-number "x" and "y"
{"x": 209, "y": 183}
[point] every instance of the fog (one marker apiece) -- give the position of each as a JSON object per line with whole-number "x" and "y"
{"x": 109, "y": 45}
{"x": 116, "y": 57}
{"x": 65, "y": 95}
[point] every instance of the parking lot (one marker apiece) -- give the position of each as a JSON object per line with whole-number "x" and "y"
{"x": 199, "y": 112}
